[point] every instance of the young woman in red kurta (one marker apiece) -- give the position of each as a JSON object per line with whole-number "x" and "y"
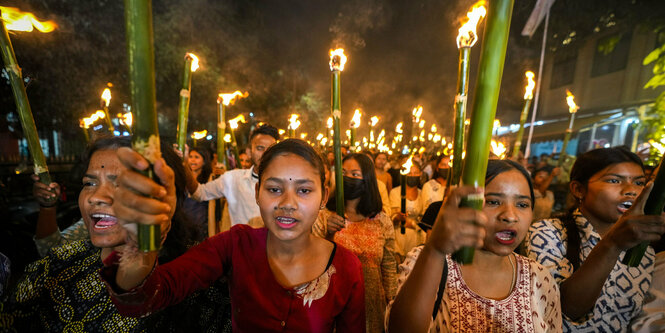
{"x": 282, "y": 277}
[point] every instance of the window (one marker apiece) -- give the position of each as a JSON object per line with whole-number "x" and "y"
{"x": 563, "y": 69}
{"x": 611, "y": 54}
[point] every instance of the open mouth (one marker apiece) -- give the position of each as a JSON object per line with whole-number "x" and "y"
{"x": 624, "y": 206}
{"x": 285, "y": 222}
{"x": 506, "y": 237}
{"x": 103, "y": 221}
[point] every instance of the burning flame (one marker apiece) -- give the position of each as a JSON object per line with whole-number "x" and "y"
{"x": 528, "y": 91}
{"x": 294, "y": 122}
{"x": 398, "y": 128}
{"x": 570, "y": 99}
{"x": 337, "y": 60}
{"x": 355, "y": 121}
{"x": 374, "y": 120}
{"x": 319, "y": 137}
{"x": 199, "y": 135}
{"x": 406, "y": 167}
{"x": 467, "y": 36}
{"x": 195, "y": 61}
{"x": 421, "y": 124}
{"x": 281, "y": 131}
{"x": 233, "y": 123}
{"x": 125, "y": 118}
{"x": 437, "y": 138}
{"x": 229, "y": 99}
{"x": 417, "y": 112}
{"x": 433, "y": 129}
{"x": 329, "y": 123}
{"x": 106, "y": 96}
{"x": 498, "y": 148}
{"x": 227, "y": 138}
{"x": 87, "y": 122}
{"x": 17, "y": 20}
{"x": 303, "y": 136}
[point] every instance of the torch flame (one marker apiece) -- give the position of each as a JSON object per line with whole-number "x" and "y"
{"x": 199, "y": 135}
{"x": 398, "y": 128}
{"x": 234, "y": 122}
{"x": 417, "y": 112}
{"x": 106, "y": 96}
{"x": 374, "y": 120}
{"x": 195, "y": 61}
{"x": 294, "y": 122}
{"x": 229, "y": 99}
{"x": 570, "y": 99}
{"x": 127, "y": 118}
{"x": 421, "y": 124}
{"x": 406, "y": 167}
{"x": 467, "y": 32}
{"x": 99, "y": 115}
{"x": 337, "y": 60}
{"x": 433, "y": 129}
{"x": 355, "y": 121}
{"x": 17, "y": 20}
{"x": 528, "y": 91}
{"x": 227, "y": 138}
{"x": 329, "y": 123}
{"x": 319, "y": 137}
{"x": 498, "y": 148}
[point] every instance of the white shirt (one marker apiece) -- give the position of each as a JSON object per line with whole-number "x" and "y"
{"x": 238, "y": 187}
{"x": 432, "y": 192}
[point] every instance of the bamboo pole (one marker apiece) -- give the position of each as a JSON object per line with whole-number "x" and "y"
{"x": 138, "y": 21}
{"x": 221, "y": 131}
{"x": 460, "y": 115}
{"x": 520, "y": 133}
{"x": 336, "y": 67}
{"x": 183, "y": 106}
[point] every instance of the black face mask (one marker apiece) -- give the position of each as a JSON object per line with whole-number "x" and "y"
{"x": 353, "y": 188}
{"x": 443, "y": 173}
{"x": 412, "y": 181}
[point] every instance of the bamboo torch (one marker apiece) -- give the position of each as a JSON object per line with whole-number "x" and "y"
{"x": 233, "y": 123}
{"x": 353, "y": 127}
{"x": 84, "y": 127}
{"x": 13, "y": 19}
{"x": 406, "y": 168}
{"x": 492, "y": 57}
{"x": 372, "y": 123}
{"x": 106, "y": 101}
{"x": 191, "y": 65}
{"x": 196, "y": 136}
{"x": 140, "y": 49}
{"x": 337, "y": 62}
{"x": 224, "y": 100}
{"x": 466, "y": 38}
{"x": 294, "y": 123}
{"x": 528, "y": 97}
{"x": 572, "y": 109}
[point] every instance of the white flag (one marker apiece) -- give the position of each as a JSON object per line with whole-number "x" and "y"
{"x": 537, "y": 16}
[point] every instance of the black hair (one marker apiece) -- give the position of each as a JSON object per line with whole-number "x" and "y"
{"x": 183, "y": 233}
{"x": 593, "y": 161}
{"x": 265, "y": 129}
{"x": 547, "y": 168}
{"x": 496, "y": 167}
{"x": 439, "y": 158}
{"x": 370, "y": 202}
{"x": 297, "y": 147}
{"x": 380, "y": 153}
{"x": 206, "y": 170}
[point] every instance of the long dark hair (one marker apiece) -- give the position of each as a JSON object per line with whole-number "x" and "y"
{"x": 496, "y": 167}
{"x": 206, "y": 169}
{"x": 370, "y": 202}
{"x": 183, "y": 233}
{"x": 593, "y": 161}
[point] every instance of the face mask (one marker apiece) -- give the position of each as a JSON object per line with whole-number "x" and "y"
{"x": 443, "y": 173}
{"x": 353, "y": 188}
{"x": 412, "y": 181}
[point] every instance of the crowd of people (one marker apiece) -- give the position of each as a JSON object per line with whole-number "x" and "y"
{"x": 261, "y": 247}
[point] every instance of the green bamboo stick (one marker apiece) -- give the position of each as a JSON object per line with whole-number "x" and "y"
{"x": 234, "y": 147}
{"x": 352, "y": 139}
{"x": 336, "y": 66}
{"x": 520, "y": 133}
{"x": 221, "y": 131}
{"x": 138, "y": 23}
{"x": 292, "y": 133}
{"x": 460, "y": 114}
{"x": 23, "y": 106}
{"x": 492, "y": 58}
{"x": 183, "y": 106}
{"x": 566, "y": 138}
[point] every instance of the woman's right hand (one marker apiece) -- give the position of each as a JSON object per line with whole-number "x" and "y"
{"x": 46, "y": 195}
{"x": 334, "y": 223}
{"x": 456, "y": 227}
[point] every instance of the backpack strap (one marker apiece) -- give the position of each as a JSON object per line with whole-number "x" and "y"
{"x": 442, "y": 287}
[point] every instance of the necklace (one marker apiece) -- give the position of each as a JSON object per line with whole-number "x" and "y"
{"x": 512, "y": 266}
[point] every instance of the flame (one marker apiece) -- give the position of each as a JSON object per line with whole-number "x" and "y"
{"x": 374, "y": 120}
{"x": 319, "y": 137}
{"x": 227, "y": 138}
{"x": 17, "y": 20}
{"x": 498, "y": 148}
{"x": 233, "y": 123}
{"x": 229, "y": 99}
{"x": 433, "y": 129}
{"x": 199, "y": 135}
{"x": 106, "y": 96}
{"x": 417, "y": 112}
{"x": 355, "y": 121}
{"x": 406, "y": 167}
{"x": 329, "y": 123}
{"x": 324, "y": 141}
{"x": 570, "y": 99}
{"x": 281, "y": 131}
{"x": 303, "y": 135}
{"x": 528, "y": 91}
{"x": 294, "y": 122}
{"x": 337, "y": 60}
{"x": 195, "y": 61}
{"x": 127, "y": 118}
{"x": 99, "y": 115}
{"x": 87, "y": 122}
{"x": 467, "y": 36}
{"x": 421, "y": 124}
{"x": 398, "y": 128}
{"x": 437, "y": 138}
{"x": 382, "y": 134}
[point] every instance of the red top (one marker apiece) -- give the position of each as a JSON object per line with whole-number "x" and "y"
{"x": 259, "y": 303}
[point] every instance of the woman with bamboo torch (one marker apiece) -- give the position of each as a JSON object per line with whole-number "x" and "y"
{"x": 572, "y": 109}
{"x": 191, "y": 65}
{"x": 21, "y": 99}
{"x": 466, "y": 38}
{"x": 528, "y": 97}
{"x": 437, "y": 294}
{"x": 337, "y": 62}
{"x": 583, "y": 249}
{"x": 365, "y": 230}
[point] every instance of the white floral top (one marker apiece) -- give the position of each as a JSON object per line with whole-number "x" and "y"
{"x": 532, "y": 306}
{"x": 624, "y": 290}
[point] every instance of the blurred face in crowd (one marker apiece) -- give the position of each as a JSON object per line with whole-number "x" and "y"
{"x": 259, "y": 145}
{"x": 380, "y": 161}
{"x": 195, "y": 161}
{"x": 245, "y": 161}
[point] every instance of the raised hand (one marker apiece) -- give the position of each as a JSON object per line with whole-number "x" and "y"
{"x": 46, "y": 195}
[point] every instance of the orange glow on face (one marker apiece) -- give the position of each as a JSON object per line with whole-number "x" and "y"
{"x": 337, "y": 60}
{"x": 17, "y": 20}
{"x": 233, "y": 123}
{"x": 570, "y": 99}
{"x": 528, "y": 91}
{"x": 106, "y": 96}
{"x": 467, "y": 36}
{"x": 355, "y": 121}
{"x": 199, "y": 135}
{"x": 195, "y": 61}
{"x": 229, "y": 99}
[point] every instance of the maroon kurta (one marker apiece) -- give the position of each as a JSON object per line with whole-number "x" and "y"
{"x": 259, "y": 302}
